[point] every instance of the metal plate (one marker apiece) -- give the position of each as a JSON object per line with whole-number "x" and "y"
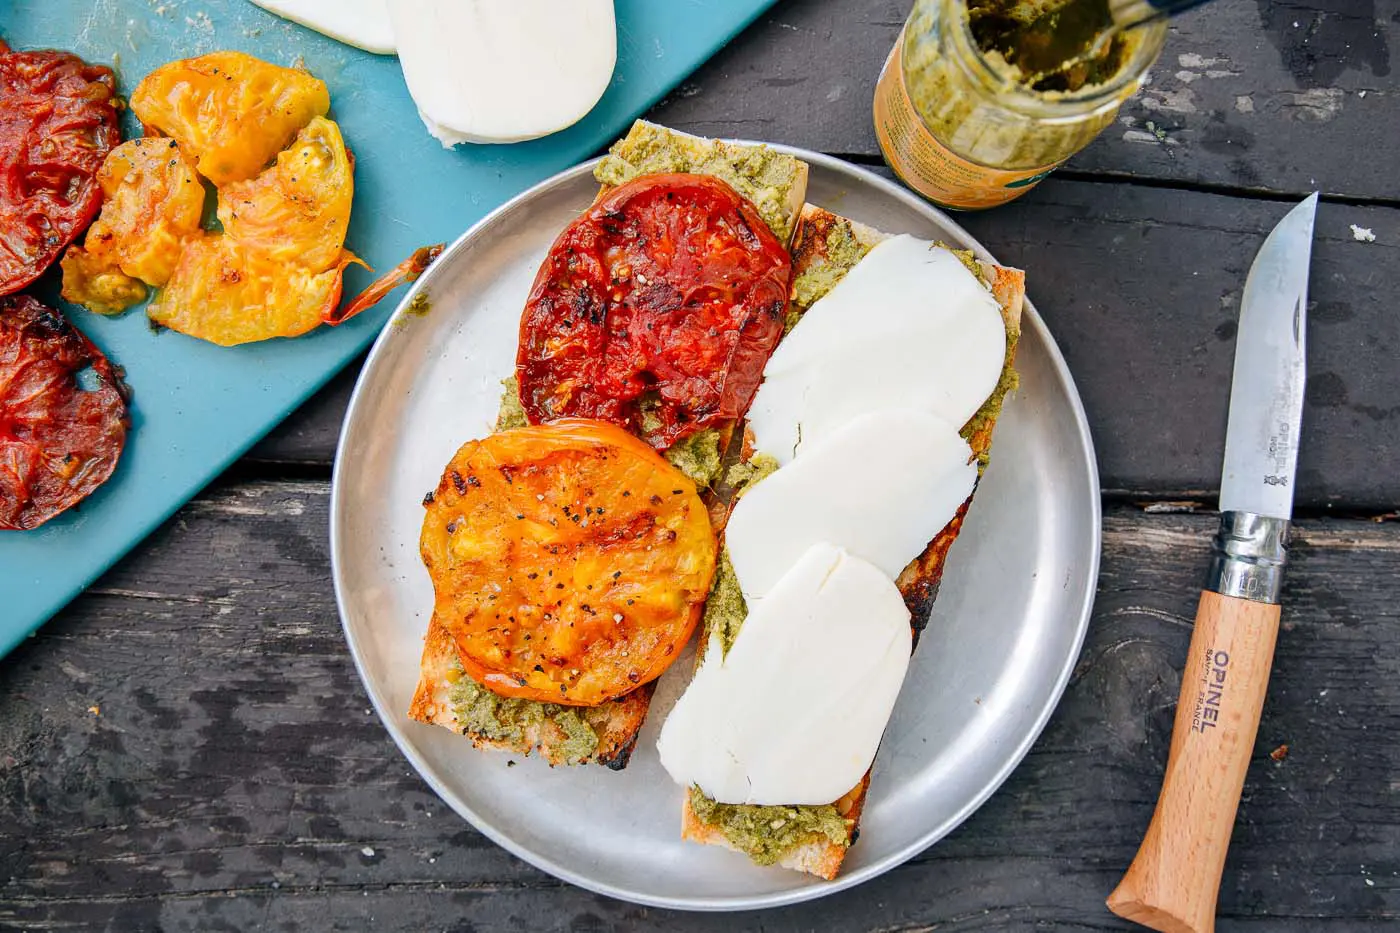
{"x": 990, "y": 668}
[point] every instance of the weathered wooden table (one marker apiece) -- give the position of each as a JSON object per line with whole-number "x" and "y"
{"x": 187, "y": 746}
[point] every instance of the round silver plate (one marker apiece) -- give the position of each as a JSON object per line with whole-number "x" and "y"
{"x": 1005, "y": 633}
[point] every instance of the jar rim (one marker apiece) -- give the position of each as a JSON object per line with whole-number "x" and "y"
{"x": 1049, "y": 105}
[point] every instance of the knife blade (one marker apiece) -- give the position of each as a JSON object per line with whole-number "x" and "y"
{"x": 1174, "y": 880}
{"x": 1266, "y": 393}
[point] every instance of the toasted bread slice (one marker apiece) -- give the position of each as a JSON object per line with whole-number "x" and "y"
{"x": 826, "y": 247}
{"x": 777, "y": 185}
{"x": 615, "y": 724}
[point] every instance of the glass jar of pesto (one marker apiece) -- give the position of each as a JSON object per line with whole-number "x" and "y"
{"x": 961, "y": 124}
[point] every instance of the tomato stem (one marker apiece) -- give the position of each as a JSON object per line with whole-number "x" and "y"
{"x": 402, "y": 274}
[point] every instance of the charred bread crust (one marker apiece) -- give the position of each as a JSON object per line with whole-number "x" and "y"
{"x": 919, "y": 581}
{"x": 616, "y": 722}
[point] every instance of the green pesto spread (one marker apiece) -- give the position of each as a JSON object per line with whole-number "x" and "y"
{"x": 698, "y": 457}
{"x": 969, "y": 260}
{"x": 842, "y": 250}
{"x": 509, "y": 719}
{"x": 511, "y": 413}
{"x": 765, "y": 834}
{"x": 761, "y": 175}
{"x": 420, "y": 305}
{"x": 724, "y": 606}
{"x": 743, "y": 476}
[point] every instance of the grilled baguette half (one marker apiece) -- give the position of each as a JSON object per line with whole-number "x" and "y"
{"x": 827, "y": 246}
{"x": 776, "y": 184}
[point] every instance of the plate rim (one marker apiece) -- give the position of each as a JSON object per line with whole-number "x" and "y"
{"x": 542, "y": 860}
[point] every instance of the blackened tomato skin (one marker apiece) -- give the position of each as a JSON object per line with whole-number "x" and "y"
{"x": 59, "y": 440}
{"x": 655, "y": 310}
{"x": 58, "y": 121}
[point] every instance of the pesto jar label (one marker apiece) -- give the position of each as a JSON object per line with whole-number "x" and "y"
{"x": 928, "y": 166}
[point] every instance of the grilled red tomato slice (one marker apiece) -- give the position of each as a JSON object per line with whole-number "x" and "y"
{"x": 58, "y": 121}
{"x": 656, "y": 310}
{"x": 58, "y": 440}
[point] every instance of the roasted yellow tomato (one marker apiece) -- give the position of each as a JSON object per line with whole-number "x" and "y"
{"x": 152, "y": 201}
{"x": 569, "y": 561}
{"x": 226, "y": 294}
{"x": 297, "y": 210}
{"x": 277, "y": 268}
{"x": 230, "y": 111}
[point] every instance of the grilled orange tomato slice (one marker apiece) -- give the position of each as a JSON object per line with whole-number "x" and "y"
{"x": 277, "y": 268}
{"x": 229, "y": 110}
{"x": 152, "y": 202}
{"x": 569, "y": 561}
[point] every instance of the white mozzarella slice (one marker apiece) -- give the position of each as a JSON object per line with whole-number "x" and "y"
{"x": 909, "y": 327}
{"x": 361, "y": 23}
{"x": 882, "y": 486}
{"x": 498, "y": 71}
{"x": 794, "y": 712}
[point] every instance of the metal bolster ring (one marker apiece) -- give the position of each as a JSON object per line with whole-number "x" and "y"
{"x": 1247, "y": 557}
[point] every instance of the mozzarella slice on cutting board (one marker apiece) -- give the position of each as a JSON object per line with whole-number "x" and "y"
{"x": 882, "y": 487}
{"x": 361, "y": 23}
{"x": 909, "y": 326}
{"x": 794, "y": 712}
{"x": 499, "y": 71}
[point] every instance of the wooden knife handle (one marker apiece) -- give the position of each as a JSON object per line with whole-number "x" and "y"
{"x": 1174, "y": 881}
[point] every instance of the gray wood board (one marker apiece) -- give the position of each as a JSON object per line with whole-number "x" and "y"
{"x": 1262, "y": 95}
{"x": 187, "y": 747}
{"x": 1141, "y": 286}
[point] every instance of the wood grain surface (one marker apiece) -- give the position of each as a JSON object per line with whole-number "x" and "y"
{"x": 188, "y": 744}
{"x": 188, "y": 747}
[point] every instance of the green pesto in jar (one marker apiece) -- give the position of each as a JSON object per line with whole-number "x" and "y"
{"x": 767, "y": 833}
{"x": 763, "y": 176}
{"x": 482, "y": 713}
{"x": 960, "y": 70}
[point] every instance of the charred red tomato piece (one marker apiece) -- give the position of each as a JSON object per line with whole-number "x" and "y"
{"x": 656, "y": 309}
{"x": 59, "y": 440}
{"x": 58, "y": 121}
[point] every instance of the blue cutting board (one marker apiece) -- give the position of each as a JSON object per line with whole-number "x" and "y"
{"x": 197, "y": 407}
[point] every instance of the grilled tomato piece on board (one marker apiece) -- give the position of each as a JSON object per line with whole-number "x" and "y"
{"x": 58, "y": 440}
{"x": 276, "y": 270}
{"x": 58, "y": 121}
{"x": 153, "y": 202}
{"x": 569, "y": 561}
{"x": 655, "y": 309}
{"x": 230, "y": 111}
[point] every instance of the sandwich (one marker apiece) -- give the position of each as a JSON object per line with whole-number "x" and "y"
{"x": 802, "y": 711}
{"x": 692, "y": 438}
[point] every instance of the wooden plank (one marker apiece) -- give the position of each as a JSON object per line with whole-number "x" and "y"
{"x": 187, "y": 747}
{"x": 1275, "y": 96}
{"x": 1141, "y": 287}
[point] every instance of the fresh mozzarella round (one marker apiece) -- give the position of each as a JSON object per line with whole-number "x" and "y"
{"x": 488, "y": 71}
{"x": 361, "y": 23}
{"x": 909, "y": 326}
{"x": 794, "y": 712}
{"x": 882, "y": 487}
